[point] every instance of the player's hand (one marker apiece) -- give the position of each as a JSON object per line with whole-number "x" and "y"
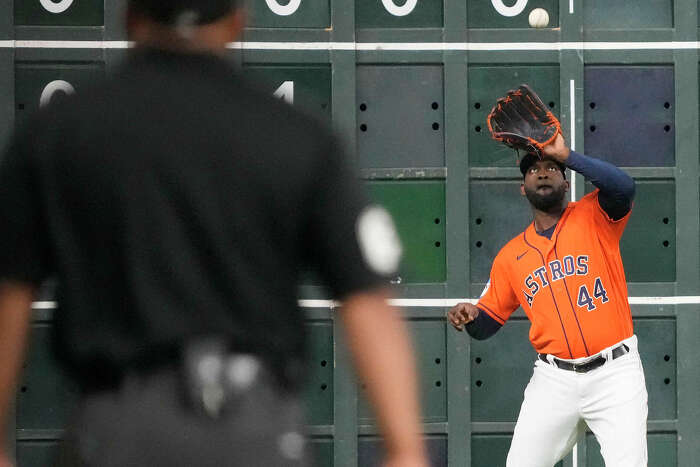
{"x": 461, "y": 314}
{"x": 557, "y": 149}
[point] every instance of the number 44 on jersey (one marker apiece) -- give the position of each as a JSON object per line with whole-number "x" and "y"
{"x": 585, "y": 299}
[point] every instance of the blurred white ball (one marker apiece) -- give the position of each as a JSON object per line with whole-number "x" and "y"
{"x": 539, "y": 18}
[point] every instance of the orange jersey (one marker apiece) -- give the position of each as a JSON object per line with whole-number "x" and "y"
{"x": 572, "y": 287}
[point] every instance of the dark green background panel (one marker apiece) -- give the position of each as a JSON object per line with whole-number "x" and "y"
{"x": 310, "y": 14}
{"x": 657, "y": 348}
{"x": 660, "y": 446}
{"x": 370, "y": 452}
{"x": 321, "y": 451}
{"x": 37, "y": 453}
{"x": 32, "y": 78}
{"x": 429, "y": 343}
{"x": 79, "y": 13}
{"x": 606, "y": 14}
{"x": 373, "y": 14}
{"x": 492, "y": 450}
{"x": 320, "y": 363}
{"x": 482, "y": 14}
{"x": 311, "y": 86}
{"x": 648, "y": 245}
{"x": 500, "y": 370}
{"x": 624, "y": 129}
{"x": 400, "y": 116}
{"x": 45, "y": 397}
{"x": 486, "y": 85}
{"x": 418, "y": 209}
{"x": 497, "y": 213}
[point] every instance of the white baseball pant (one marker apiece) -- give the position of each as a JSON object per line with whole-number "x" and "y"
{"x": 611, "y": 400}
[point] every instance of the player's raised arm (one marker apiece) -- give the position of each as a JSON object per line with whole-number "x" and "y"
{"x": 616, "y": 187}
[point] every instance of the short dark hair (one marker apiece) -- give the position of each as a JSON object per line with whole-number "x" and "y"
{"x": 198, "y": 12}
{"x": 530, "y": 158}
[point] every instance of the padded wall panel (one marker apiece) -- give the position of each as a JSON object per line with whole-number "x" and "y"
{"x": 498, "y": 212}
{"x": 37, "y": 453}
{"x": 37, "y": 83}
{"x": 7, "y": 83}
{"x": 648, "y": 245}
{"x": 400, "y": 116}
{"x": 321, "y": 451}
{"x": 370, "y": 453}
{"x": 428, "y": 338}
{"x": 500, "y": 14}
{"x": 398, "y": 14}
{"x": 320, "y": 363}
{"x": 604, "y": 14}
{"x": 46, "y": 397}
{"x": 492, "y": 450}
{"x": 661, "y": 447}
{"x": 289, "y": 13}
{"x": 418, "y": 209}
{"x": 486, "y": 85}
{"x": 657, "y": 348}
{"x": 308, "y": 88}
{"x": 59, "y": 13}
{"x": 629, "y": 114}
{"x": 500, "y": 369}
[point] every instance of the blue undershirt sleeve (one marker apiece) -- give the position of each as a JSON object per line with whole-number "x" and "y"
{"x": 616, "y": 187}
{"x": 482, "y": 327}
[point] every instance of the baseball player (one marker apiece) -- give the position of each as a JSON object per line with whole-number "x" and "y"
{"x": 565, "y": 271}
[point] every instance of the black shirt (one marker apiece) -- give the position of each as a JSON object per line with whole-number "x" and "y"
{"x": 175, "y": 200}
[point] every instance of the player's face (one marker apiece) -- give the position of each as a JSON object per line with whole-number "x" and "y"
{"x": 544, "y": 185}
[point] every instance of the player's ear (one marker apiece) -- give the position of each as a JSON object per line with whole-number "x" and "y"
{"x": 522, "y": 188}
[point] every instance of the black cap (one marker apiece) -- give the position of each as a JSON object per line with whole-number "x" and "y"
{"x": 197, "y": 12}
{"x": 531, "y": 158}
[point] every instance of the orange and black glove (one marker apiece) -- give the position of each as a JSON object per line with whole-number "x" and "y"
{"x": 521, "y": 121}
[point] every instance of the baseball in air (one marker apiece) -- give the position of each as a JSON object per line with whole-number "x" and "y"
{"x": 539, "y": 18}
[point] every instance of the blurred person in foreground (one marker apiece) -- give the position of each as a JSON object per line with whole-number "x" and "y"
{"x": 176, "y": 206}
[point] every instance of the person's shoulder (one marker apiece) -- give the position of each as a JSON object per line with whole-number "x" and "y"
{"x": 585, "y": 204}
{"x": 512, "y": 248}
{"x": 589, "y": 198}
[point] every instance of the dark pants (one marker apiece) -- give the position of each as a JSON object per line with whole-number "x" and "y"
{"x": 146, "y": 423}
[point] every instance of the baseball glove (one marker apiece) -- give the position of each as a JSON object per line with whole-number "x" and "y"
{"x": 522, "y": 121}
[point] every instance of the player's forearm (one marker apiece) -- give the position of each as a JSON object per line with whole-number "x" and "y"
{"x": 482, "y": 327}
{"x": 611, "y": 180}
{"x": 383, "y": 355}
{"x": 15, "y": 317}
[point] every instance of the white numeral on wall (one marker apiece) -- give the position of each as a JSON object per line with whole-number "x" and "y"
{"x": 396, "y": 10}
{"x": 52, "y": 88}
{"x": 56, "y": 7}
{"x": 509, "y": 10}
{"x": 281, "y": 10}
{"x": 286, "y": 92}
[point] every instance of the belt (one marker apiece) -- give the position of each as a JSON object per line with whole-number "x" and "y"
{"x": 585, "y": 367}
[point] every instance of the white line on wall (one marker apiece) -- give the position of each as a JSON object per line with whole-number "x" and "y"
{"x": 572, "y": 113}
{"x": 445, "y": 302}
{"x": 381, "y": 46}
